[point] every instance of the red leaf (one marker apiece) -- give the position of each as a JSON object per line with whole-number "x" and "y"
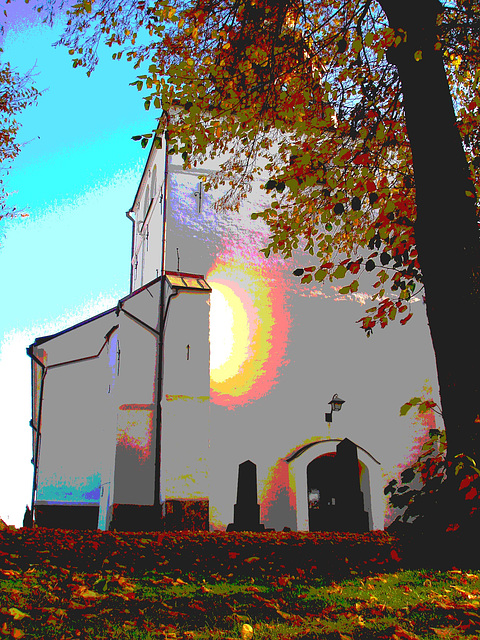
{"x": 395, "y": 556}
{"x": 471, "y": 494}
{"x": 465, "y": 482}
{"x": 363, "y": 158}
{"x": 354, "y": 267}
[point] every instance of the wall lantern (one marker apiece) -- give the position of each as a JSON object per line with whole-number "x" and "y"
{"x": 335, "y": 404}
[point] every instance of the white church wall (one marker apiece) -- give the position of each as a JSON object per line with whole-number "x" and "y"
{"x": 280, "y": 350}
{"x": 73, "y": 441}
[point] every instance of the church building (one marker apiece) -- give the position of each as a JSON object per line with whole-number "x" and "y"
{"x": 208, "y": 398}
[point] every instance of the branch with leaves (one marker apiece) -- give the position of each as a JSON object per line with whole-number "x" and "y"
{"x": 16, "y": 93}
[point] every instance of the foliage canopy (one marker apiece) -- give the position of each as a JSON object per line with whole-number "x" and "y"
{"x": 308, "y": 93}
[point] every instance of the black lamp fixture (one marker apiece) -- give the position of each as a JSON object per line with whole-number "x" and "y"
{"x": 336, "y": 404}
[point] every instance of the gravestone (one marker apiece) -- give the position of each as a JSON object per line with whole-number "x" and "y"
{"x": 353, "y": 517}
{"x": 246, "y": 511}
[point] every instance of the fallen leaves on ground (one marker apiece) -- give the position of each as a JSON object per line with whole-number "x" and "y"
{"x": 158, "y": 586}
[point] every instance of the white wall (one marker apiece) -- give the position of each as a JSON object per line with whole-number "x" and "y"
{"x": 74, "y": 437}
{"x": 280, "y": 350}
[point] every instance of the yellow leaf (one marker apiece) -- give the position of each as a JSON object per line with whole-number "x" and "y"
{"x": 87, "y": 593}
{"x": 418, "y": 55}
{"x": 465, "y": 594}
{"x": 17, "y": 614}
{"x": 247, "y": 632}
{"x": 447, "y": 632}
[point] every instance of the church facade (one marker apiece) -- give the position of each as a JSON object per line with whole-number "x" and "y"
{"x": 199, "y": 401}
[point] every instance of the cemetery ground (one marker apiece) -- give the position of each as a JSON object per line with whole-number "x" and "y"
{"x": 65, "y": 585}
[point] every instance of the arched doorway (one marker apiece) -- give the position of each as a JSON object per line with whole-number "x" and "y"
{"x": 321, "y": 488}
{"x": 335, "y": 500}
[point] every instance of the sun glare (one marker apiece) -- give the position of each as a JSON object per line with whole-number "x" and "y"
{"x": 229, "y": 331}
{"x": 248, "y": 328}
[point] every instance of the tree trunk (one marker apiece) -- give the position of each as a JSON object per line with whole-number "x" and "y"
{"x": 446, "y": 228}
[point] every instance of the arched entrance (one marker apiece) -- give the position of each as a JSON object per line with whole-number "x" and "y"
{"x": 335, "y": 500}
{"x": 321, "y": 489}
{"x": 337, "y": 489}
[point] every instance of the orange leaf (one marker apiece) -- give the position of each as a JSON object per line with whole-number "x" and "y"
{"x": 402, "y": 634}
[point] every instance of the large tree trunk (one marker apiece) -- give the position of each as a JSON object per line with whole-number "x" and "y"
{"x": 446, "y": 228}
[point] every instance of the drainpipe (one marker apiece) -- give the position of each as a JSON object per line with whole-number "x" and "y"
{"x": 39, "y": 422}
{"x": 128, "y": 214}
{"x": 160, "y": 344}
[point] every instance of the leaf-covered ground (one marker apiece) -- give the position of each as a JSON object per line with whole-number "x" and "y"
{"x": 66, "y": 585}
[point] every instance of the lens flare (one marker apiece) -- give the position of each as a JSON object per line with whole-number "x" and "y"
{"x": 229, "y": 327}
{"x": 249, "y": 323}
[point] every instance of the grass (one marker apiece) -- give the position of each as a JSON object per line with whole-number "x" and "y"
{"x": 41, "y": 598}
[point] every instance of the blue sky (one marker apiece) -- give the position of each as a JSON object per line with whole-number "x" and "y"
{"x": 76, "y": 177}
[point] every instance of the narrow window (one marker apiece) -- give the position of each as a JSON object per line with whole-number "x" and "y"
{"x": 146, "y": 202}
{"x": 154, "y": 181}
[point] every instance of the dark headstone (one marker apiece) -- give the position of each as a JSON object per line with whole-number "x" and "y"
{"x": 350, "y": 497}
{"x": 246, "y": 512}
{"x": 28, "y": 518}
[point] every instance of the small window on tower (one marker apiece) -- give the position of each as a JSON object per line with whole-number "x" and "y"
{"x": 146, "y": 202}
{"x": 154, "y": 181}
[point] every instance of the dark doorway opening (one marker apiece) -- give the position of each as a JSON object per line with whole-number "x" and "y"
{"x": 335, "y": 500}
